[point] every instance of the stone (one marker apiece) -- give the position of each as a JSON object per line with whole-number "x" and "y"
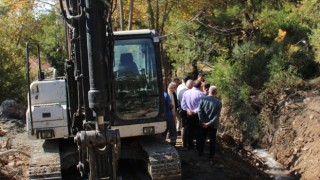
{"x": 10, "y": 109}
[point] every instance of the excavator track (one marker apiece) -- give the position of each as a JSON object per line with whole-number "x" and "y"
{"x": 163, "y": 161}
{"x": 45, "y": 160}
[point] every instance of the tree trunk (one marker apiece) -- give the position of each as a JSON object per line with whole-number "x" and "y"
{"x": 130, "y": 15}
{"x": 157, "y": 15}
{"x": 121, "y": 15}
{"x": 195, "y": 70}
{"x": 165, "y": 16}
{"x": 150, "y": 15}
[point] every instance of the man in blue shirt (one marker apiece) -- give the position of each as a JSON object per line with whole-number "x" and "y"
{"x": 209, "y": 114}
{"x": 171, "y": 126}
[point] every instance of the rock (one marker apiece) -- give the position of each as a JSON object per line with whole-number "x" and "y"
{"x": 10, "y": 109}
{"x": 311, "y": 116}
{"x": 307, "y": 100}
{"x": 229, "y": 140}
{"x": 2, "y": 132}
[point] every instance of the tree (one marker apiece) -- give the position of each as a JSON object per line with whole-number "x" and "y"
{"x": 51, "y": 38}
{"x": 18, "y": 25}
{"x": 121, "y": 15}
{"x": 130, "y": 15}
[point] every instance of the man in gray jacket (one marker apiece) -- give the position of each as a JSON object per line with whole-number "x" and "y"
{"x": 209, "y": 114}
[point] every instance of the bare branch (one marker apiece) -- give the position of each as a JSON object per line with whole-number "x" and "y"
{"x": 220, "y": 30}
{"x": 13, "y": 151}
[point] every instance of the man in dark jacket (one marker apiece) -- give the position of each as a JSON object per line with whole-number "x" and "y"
{"x": 209, "y": 114}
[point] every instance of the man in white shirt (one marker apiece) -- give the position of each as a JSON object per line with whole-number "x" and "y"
{"x": 183, "y": 84}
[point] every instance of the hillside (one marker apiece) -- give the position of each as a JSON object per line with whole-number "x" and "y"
{"x": 291, "y": 134}
{"x": 296, "y": 142}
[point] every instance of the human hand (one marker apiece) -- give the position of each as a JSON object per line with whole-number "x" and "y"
{"x": 205, "y": 125}
{"x": 190, "y": 112}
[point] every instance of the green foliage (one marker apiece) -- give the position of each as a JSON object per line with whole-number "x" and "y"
{"x": 188, "y": 45}
{"x": 251, "y": 60}
{"x": 274, "y": 59}
{"x": 222, "y": 77}
{"x": 271, "y": 20}
{"x": 315, "y": 39}
{"x": 227, "y": 18}
{"x": 52, "y": 39}
{"x": 282, "y": 75}
{"x": 227, "y": 77}
{"x": 12, "y": 79}
{"x": 311, "y": 11}
{"x": 238, "y": 78}
{"x": 18, "y": 26}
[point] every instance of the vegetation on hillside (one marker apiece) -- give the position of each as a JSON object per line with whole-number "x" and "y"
{"x": 254, "y": 51}
{"x": 257, "y": 52}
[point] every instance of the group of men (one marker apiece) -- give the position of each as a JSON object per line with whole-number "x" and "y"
{"x": 193, "y": 109}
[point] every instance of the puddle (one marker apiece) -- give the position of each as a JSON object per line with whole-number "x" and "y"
{"x": 275, "y": 169}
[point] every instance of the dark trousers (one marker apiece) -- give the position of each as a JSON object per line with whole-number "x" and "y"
{"x": 192, "y": 130}
{"x": 184, "y": 129}
{"x": 172, "y": 130}
{"x": 202, "y": 140}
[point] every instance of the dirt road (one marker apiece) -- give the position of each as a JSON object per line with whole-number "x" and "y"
{"x": 225, "y": 165}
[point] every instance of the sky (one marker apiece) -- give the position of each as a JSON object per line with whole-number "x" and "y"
{"x": 44, "y": 5}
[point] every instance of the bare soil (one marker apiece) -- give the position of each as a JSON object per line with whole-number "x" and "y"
{"x": 13, "y": 136}
{"x": 296, "y": 142}
{"x": 225, "y": 165}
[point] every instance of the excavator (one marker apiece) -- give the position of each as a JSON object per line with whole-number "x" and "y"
{"x": 103, "y": 118}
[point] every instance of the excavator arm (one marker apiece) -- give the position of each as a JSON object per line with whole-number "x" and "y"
{"x": 87, "y": 25}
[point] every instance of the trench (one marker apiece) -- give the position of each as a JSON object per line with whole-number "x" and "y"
{"x": 273, "y": 168}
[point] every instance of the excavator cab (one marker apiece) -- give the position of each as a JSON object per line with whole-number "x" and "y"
{"x": 136, "y": 77}
{"x": 137, "y": 82}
